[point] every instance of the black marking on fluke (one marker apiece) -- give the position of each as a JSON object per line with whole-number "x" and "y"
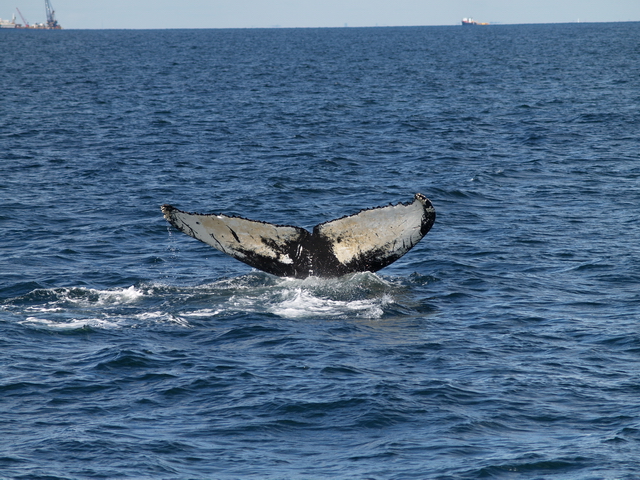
{"x": 366, "y": 241}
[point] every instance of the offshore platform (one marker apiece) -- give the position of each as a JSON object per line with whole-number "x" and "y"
{"x": 52, "y": 23}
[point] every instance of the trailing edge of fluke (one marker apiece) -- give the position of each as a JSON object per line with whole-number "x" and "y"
{"x": 366, "y": 241}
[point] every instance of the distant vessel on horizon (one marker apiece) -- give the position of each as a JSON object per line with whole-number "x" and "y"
{"x": 52, "y": 23}
{"x": 471, "y": 21}
{"x": 9, "y": 23}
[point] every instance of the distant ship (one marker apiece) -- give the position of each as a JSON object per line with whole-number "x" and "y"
{"x": 52, "y": 23}
{"x": 9, "y": 23}
{"x": 471, "y": 21}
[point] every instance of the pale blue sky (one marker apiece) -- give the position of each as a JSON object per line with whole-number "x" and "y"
{"x": 316, "y": 13}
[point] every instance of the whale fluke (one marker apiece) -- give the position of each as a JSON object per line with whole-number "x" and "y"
{"x": 366, "y": 241}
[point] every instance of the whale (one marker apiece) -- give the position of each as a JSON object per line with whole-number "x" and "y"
{"x": 368, "y": 240}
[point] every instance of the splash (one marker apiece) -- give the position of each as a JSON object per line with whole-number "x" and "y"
{"x": 86, "y": 308}
{"x": 300, "y": 303}
{"x": 361, "y": 295}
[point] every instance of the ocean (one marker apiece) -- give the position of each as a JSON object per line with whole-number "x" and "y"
{"x": 505, "y": 345}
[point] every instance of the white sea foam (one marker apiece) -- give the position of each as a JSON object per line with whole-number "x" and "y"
{"x": 82, "y": 296}
{"x": 115, "y": 296}
{"x": 79, "y": 307}
{"x": 161, "y": 317}
{"x": 122, "y": 295}
{"x": 363, "y": 295}
{"x": 358, "y": 296}
{"x": 205, "y": 312}
{"x": 108, "y": 321}
{"x": 73, "y": 324}
{"x": 300, "y": 303}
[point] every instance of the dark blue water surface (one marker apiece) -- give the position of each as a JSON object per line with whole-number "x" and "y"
{"x": 505, "y": 345}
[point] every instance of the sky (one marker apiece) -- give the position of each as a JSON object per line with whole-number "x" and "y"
{"x": 145, "y": 14}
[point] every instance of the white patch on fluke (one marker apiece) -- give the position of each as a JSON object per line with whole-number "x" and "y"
{"x": 235, "y": 235}
{"x": 395, "y": 228}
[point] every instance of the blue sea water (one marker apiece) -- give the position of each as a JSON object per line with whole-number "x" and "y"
{"x": 505, "y": 345}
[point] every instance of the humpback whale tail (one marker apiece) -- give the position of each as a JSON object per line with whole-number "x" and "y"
{"x": 366, "y": 241}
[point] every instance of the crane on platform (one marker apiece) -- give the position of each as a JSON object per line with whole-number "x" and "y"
{"x": 24, "y": 20}
{"x": 51, "y": 18}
